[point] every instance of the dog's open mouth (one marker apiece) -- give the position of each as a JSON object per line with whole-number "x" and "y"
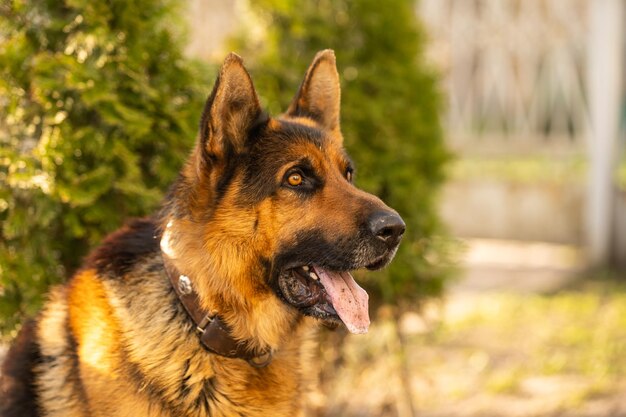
{"x": 327, "y": 295}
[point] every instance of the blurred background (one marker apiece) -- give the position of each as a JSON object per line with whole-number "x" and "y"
{"x": 495, "y": 127}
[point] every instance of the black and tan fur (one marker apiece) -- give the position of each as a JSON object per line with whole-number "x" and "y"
{"x": 115, "y": 340}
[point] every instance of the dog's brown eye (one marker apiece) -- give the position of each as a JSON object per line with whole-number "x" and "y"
{"x": 294, "y": 180}
{"x": 349, "y": 175}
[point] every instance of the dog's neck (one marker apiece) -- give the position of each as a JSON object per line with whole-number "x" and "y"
{"x": 204, "y": 382}
{"x": 264, "y": 325}
{"x": 212, "y": 332}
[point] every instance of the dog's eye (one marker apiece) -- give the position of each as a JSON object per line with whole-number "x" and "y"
{"x": 349, "y": 174}
{"x": 301, "y": 179}
{"x": 294, "y": 179}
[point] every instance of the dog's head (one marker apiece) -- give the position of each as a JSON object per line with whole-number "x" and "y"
{"x": 275, "y": 197}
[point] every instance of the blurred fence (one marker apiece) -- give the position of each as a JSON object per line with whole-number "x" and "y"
{"x": 514, "y": 71}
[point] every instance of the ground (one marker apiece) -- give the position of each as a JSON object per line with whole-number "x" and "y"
{"x": 517, "y": 346}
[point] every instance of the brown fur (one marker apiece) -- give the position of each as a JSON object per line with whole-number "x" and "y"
{"x": 116, "y": 341}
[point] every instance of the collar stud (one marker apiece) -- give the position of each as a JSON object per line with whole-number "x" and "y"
{"x": 184, "y": 285}
{"x": 213, "y": 333}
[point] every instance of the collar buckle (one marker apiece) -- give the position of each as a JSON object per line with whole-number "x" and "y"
{"x": 206, "y": 321}
{"x": 213, "y": 333}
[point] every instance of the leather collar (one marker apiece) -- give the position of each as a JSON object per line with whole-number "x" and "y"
{"x": 214, "y": 334}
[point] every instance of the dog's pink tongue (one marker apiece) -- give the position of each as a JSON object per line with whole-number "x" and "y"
{"x": 349, "y": 300}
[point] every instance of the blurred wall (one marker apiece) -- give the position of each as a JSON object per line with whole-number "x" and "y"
{"x": 509, "y": 210}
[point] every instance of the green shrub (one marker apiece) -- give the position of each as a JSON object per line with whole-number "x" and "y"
{"x": 390, "y": 113}
{"x": 98, "y": 108}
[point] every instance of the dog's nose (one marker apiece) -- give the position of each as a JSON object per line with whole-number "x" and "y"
{"x": 386, "y": 226}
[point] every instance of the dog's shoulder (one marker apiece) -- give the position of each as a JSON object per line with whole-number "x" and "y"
{"x": 18, "y": 395}
{"x": 124, "y": 248}
{"x": 120, "y": 253}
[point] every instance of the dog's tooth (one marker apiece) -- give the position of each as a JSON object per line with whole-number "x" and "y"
{"x": 313, "y": 275}
{"x": 306, "y": 268}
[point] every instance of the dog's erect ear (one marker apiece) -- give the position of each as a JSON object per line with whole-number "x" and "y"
{"x": 319, "y": 95}
{"x": 230, "y": 111}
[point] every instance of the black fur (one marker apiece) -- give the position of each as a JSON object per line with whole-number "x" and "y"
{"x": 226, "y": 176}
{"x": 290, "y": 131}
{"x": 125, "y": 247}
{"x": 18, "y": 397}
{"x": 311, "y": 247}
{"x": 268, "y": 155}
{"x": 74, "y": 377}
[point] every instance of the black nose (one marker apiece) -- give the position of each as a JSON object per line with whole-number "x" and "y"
{"x": 386, "y": 226}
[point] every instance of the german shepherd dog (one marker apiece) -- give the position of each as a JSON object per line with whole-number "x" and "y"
{"x": 209, "y": 308}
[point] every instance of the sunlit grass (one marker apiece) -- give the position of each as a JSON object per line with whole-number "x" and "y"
{"x": 531, "y": 169}
{"x": 484, "y": 353}
{"x": 521, "y": 169}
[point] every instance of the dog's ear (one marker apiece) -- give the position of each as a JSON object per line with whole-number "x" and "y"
{"x": 231, "y": 110}
{"x": 319, "y": 95}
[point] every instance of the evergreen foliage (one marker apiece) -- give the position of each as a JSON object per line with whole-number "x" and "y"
{"x": 390, "y": 114}
{"x": 98, "y": 108}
